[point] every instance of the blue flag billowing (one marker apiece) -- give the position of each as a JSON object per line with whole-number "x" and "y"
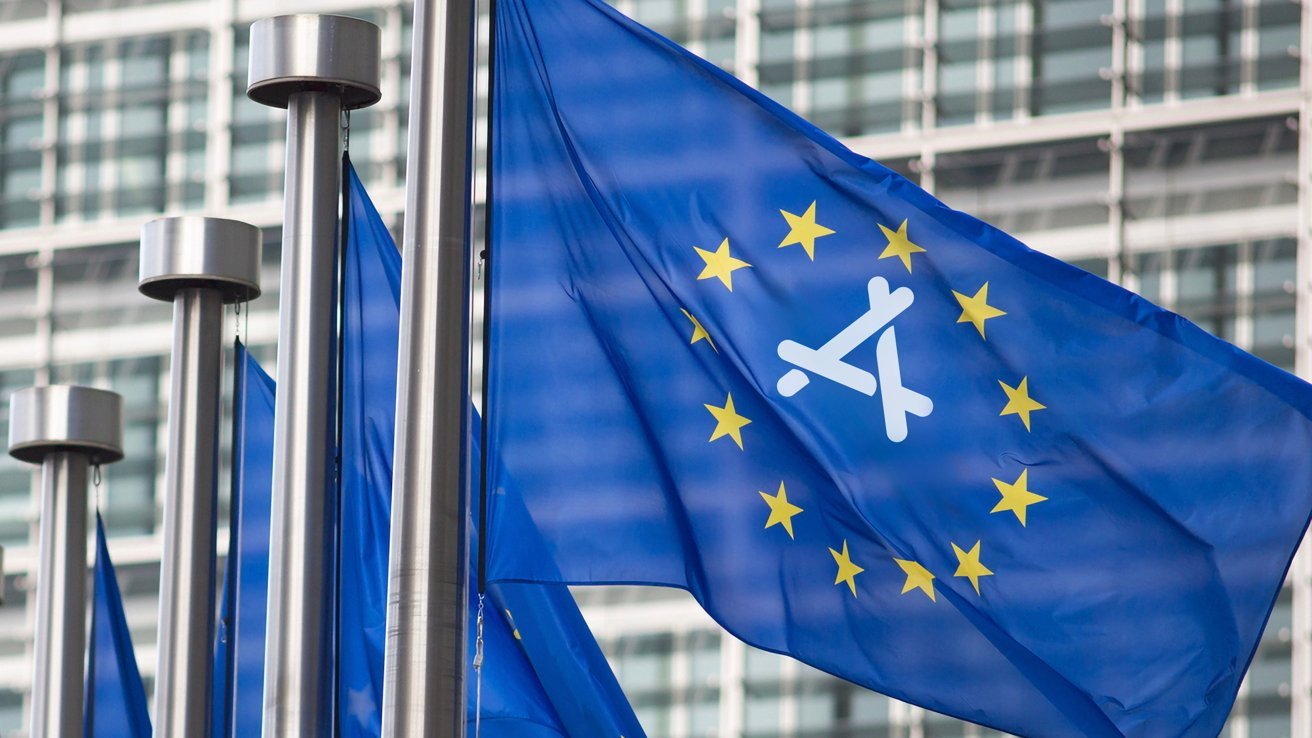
{"x": 116, "y": 698}
{"x": 546, "y": 678}
{"x": 239, "y": 650}
{"x": 862, "y": 428}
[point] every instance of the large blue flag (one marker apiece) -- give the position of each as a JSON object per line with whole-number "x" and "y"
{"x": 546, "y": 678}
{"x": 116, "y": 698}
{"x": 862, "y": 428}
{"x": 239, "y": 651}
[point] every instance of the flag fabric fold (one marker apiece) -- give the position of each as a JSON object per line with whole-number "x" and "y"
{"x": 544, "y": 675}
{"x": 116, "y": 697}
{"x": 863, "y": 429}
{"x": 239, "y": 646}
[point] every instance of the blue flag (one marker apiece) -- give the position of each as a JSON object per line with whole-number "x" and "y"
{"x": 863, "y": 429}
{"x": 546, "y": 678}
{"x": 116, "y": 698}
{"x": 239, "y": 647}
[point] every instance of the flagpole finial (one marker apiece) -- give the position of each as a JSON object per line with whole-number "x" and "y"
{"x": 314, "y": 53}
{"x": 192, "y": 251}
{"x": 54, "y": 418}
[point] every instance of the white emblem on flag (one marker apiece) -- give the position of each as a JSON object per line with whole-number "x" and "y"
{"x": 827, "y": 361}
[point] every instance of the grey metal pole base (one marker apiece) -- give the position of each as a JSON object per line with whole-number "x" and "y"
{"x": 65, "y": 429}
{"x": 198, "y": 264}
{"x": 315, "y": 66}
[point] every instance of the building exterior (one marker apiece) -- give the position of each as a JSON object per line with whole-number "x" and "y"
{"x": 1163, "y": 144}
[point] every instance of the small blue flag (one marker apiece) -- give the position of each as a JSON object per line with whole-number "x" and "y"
{"x": 555, "y": 682}
{"x": 239, "y": 647}
{"x": 863, "y": 429}
{"x": 116, "y": 698}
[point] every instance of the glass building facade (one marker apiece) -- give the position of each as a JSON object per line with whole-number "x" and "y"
{"x": 1163, "y": 144}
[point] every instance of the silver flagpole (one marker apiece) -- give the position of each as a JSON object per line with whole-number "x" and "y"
{"x": 65, "y": 429}
{"x": 198, "y": 264}
{"x": 423, "y": 687}
{"x": 316, "y": 66}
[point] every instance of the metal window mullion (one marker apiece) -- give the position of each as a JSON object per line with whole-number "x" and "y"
{"x": 789, "y": 697}
{"x": 50, "y": 118}
{"x": 732, "y": 690}
{"x": 175, "y": 123}
{"x": 915, "y": 721}
{"x": 1119, "y": 22}
{"x": 1244, "y": 331}
{"x": 1136, "y": 15}
{"x": 912, "y": 35}
{"x": 219, "y": 104}
{"x": 72, "y": 167}
{"x": 985, "y": 67}
{"x": 1173, "y": 51}
{"x": 1121, "y": 269}
{"x": 1024, "y": 68}
{"x": 1248, "y": 48}
{"x": 680, "y": 681}
{"x": 803, "y": 58}
{"x": 111, "y": 128}
{"x": 387, "y": 115}
{"x": 1239, "y": 725}
{"x": 695, "y": 16}
{"x": 929, "y": 99}
{"x": 747, "y": 42}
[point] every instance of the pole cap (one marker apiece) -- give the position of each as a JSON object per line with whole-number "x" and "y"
{"x": 64, "y": 417}
{"x": 306, "y": 53}
{"x": 194, "y": 251}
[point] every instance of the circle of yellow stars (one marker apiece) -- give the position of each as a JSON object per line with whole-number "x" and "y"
{"x": 1015, "y": 497}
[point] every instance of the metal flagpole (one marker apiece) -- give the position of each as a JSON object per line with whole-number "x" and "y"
{"x": 65, "y": 429}
{"x": 423, "y": 685}
{"x": 198, "y": 264}
{"x": 315, "y": 66}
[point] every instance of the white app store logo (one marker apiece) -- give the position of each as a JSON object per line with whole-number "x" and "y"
{"x": 827, "y": 361}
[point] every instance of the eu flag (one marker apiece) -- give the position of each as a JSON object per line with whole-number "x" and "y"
{"x": 863, "y": 429}
{"x": 544, "y": 675}
{"x": 116, "y": 699}
{"x": 239, "y": 641}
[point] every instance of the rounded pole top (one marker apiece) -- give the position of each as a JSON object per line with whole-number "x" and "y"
{"x": 309, "y": 53}
{"x": 63, "y": 417}
{"x": 194, "y": 251}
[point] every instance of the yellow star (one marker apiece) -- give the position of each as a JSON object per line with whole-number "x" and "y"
{"x": 918, "y": 577}
{"x": 1019, "y": 401}
{"x": 803, "y": 230}
{"x": 698, "y": 332}
{"x": 969, "y": 566}
{"x": 728, "y": 422}
{"x": 899, "y": 245}
{"x": 781, "y": 510}
{"x": 720, "y": 264}
{"x": 847, "y": 571}
{"x": 1016, "y": 496}
{"x": 977, "y": 309}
